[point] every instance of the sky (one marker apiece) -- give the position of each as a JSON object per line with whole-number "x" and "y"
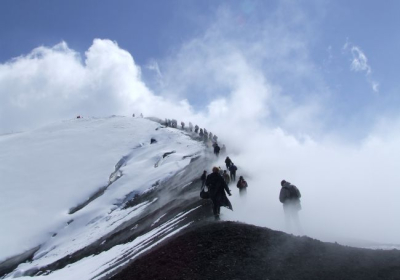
{"x": 306, "y": 90}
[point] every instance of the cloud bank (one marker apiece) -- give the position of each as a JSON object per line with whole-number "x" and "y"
{"x": 53, "y": 83}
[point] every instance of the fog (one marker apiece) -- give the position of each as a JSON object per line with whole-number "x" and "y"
{"x": 243, "y": 92}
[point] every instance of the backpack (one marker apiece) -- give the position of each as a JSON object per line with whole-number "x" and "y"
{"x": 294, "y": 192}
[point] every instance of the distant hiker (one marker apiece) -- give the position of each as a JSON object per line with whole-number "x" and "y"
{"x": 190, "y": 127}
{"x": 201, "y": 133}
{"x": 242, "y": 185}
{"x": 205, "y": 137}
{"x": 174, "y": 123}
{"x": 232, "y": 171}
{"x": 228, "y": 162}
{"x": 216, "y": 189}
{"x": 203, "y": 178}
{"x": 196, "y": 128}
{"x": 205, "y": 132}
{"x": 227, "y": 178}
{"x": 216, "y": 149}
{"x": 133, "y": 115}
{"x": 223, "y": 150}
{"x": 183, "y": 125}
{"x": 290, "y": 197}
{"x": 215, "y": 138}
{"x": 210, "y": 135}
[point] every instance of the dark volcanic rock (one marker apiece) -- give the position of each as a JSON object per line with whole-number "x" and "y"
{"x": 227, "y": 250}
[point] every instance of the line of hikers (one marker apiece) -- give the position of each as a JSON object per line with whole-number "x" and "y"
{"x": 217, "y": 184}
{"x": 203, "y": 133}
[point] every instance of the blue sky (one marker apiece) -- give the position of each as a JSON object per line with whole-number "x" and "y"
{"x": 317, "y": 67}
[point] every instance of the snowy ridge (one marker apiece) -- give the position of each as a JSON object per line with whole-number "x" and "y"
{"x": 98, "y": 188}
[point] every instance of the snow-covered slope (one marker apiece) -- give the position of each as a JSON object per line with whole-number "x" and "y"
{"x": 69, "y": 185}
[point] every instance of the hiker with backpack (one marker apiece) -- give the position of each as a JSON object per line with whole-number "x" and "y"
{"x": 216, "y": 189}
{"x": 290, "y": 198}
{"x": 232, "y": 171}
{"x": 242, "y": 186}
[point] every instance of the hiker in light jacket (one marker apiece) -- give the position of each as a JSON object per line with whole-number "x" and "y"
{"x": 290, "y": 198}
{"x": 227, "y": 178}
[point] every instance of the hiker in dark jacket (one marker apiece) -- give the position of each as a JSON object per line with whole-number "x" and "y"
{"x": 290, "y": 198}
{"x": 228, "y": 162}
{"x": 196, "y": 128}
{"x": 242, "y": 186}
{"x": 232, "y": 171}
{"x": 203, "y": 179}
{"x": 216, "y": 149}
{"x": 201, "y": 133}
{"x": 216, "y": 189}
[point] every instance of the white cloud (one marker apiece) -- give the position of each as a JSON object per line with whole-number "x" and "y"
{"x": 53, "y": 83}
{"x": 359, "y": 63}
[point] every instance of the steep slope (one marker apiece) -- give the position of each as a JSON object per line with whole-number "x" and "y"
{"x": 227, "y": 250}
{"x": 106, "y": 194}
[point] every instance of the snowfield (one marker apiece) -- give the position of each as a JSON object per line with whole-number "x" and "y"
{"x": 64, "y": 186}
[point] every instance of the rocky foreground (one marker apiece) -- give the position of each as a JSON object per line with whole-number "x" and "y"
{"x": 228, "y": 250}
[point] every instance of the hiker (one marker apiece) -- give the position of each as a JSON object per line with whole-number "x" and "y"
{"x": 216, "y": 149}
{"x": 242, "y": 186}
{"x": 183, "y": 125}
{"x": 203, "y": 179}
{"x": 232, "y": 171}
{"x": 133, "y": 115}
{"x": 174, "y": 123}
{"x": 190, "y": 127}
{"x": 228, "y": 162}
{"x": 216, "y": 189}
{"x": 201, "y": 133}
{"x": 196, "y": 128}
{"x": 227, "y": 178}
{"x": 223, "y": 150}
{"x": 215, "y": 138}
{"x": 205, "y": 132}
{"x": 205, "y": 136}
{"x": 290, "y": 197}
{"x": 210, "y": 136}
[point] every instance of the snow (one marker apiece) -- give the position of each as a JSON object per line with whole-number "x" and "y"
{"x": 97, "y": 266}
{"x": 48, "y": 171}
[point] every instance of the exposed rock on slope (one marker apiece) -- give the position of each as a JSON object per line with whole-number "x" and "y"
{"x": 228, "y": 250}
